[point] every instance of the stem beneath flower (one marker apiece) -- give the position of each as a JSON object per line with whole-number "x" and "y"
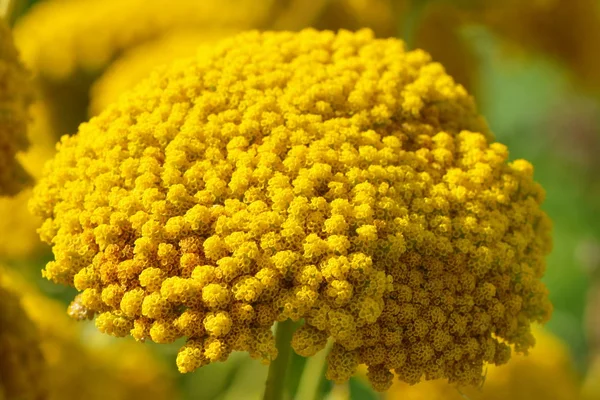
{"x": 312, "y": 376}
{"x": 275, "y": 386}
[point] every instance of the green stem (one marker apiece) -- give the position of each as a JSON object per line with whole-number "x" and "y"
{"x": 313, "y": 375}
{"x": 275, "y": 386}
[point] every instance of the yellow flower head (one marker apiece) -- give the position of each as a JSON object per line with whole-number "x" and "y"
{"x": 56, "y": 41}
{"x": 546, "y": 373}
{"x": 15, "y": 97}
{"x": 334, "y": 178}
{"x": 64, "y": 360}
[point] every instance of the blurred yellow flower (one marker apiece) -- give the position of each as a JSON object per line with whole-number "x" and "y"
{"x": 591, "y": 386}
{"x": 334, "y": 178}
{"x": 57, "y": 37}
{"x": 22, "y": 364}
{"x": 17, "y": 225}
{"x": 71, "y": 362}
{"x": 15, "y": 97}
{"x": 546, "y": 374}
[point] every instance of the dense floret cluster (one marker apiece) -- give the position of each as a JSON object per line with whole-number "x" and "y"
{"x": 56, "y": 42}
{"x": 547, "y": 372}
{"x": 334, "y": 178}
{"x": 15, "y": 97}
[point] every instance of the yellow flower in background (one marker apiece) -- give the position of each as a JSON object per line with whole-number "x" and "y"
{"x": 334, "y": 178}
{"x": 15, "y": 97}
{"x": 18, "y": 236}
{"x": 22, "y": 364}
{"x": 68, "y": 361}
{"x": 547, "y": 373}
{"x": 137, "y": 63}
{"x": 591, "y": 386}
{"x": 57, "y": 37}
{"x": 566, "y": 30}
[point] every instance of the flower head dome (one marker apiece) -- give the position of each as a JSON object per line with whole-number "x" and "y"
{"x": 547, "y": 372}
{"x": 15, "y": 97}
{"x": 334, "y": 178}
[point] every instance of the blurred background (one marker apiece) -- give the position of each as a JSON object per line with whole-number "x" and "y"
{"x": 533, "y": 67}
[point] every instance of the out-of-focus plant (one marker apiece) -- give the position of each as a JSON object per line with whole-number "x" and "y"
{"x": 19, "y": 240}
{"x": 15, "y": 98}
{"x": 56, "y": 41}
{"x": 22, "y": 364}
{"x": 66, "y": 360}
{"x": 591, "y": 386}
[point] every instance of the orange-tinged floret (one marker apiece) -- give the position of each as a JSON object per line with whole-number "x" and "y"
{"x": 334, "y": 178}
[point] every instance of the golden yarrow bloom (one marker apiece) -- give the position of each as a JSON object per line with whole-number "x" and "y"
{"x": 546, "y": 373}
{"x": 334, "y": 178}
{"x": 15, "y": 97}
{"x": 46, "y": 355}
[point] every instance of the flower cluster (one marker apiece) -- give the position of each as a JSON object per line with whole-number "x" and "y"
{"x": 57, "y": 42}
{"x": 15, "y": 97}
{"x": 546, "y": 373}
{"x": 334, "y": 178}
{"x": 44, "y": 354}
